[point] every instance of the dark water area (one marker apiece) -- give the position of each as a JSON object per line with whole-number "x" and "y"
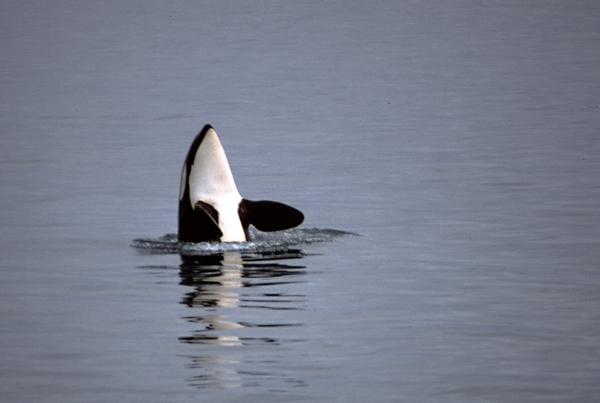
{"x": 460, "y": 140}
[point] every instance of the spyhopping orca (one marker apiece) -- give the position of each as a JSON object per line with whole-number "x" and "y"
{"x": 210, "y": 206}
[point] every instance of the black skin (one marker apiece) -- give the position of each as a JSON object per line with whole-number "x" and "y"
{"x": 201, "y": 223}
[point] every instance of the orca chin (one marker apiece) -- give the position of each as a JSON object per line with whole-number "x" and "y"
{"x": 210, "y": 206}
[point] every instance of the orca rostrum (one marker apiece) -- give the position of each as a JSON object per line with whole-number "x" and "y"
{"x": 210, "y": 206}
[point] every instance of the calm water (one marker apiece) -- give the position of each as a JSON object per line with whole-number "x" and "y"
{"x": 460, "y": 139}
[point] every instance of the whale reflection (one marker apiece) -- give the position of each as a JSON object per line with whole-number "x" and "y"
{"x": 240, "y": 302}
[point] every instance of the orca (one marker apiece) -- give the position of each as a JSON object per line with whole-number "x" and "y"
{"x": 210, "y": 206}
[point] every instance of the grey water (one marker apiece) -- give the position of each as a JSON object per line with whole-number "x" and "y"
{"x": 460, "y": 140}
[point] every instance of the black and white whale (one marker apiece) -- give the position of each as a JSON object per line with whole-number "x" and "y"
{"x": 210, "y": 206}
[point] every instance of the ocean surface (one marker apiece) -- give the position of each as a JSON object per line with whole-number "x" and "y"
{"x": 460, "y": 140}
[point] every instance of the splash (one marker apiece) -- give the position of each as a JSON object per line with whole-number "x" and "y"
{"x": 262, "y": 242}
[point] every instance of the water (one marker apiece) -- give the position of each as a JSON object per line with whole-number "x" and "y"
{"x": 460, "y": 140}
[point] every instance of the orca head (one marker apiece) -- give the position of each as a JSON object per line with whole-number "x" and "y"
{"x": 210, "y": 206}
